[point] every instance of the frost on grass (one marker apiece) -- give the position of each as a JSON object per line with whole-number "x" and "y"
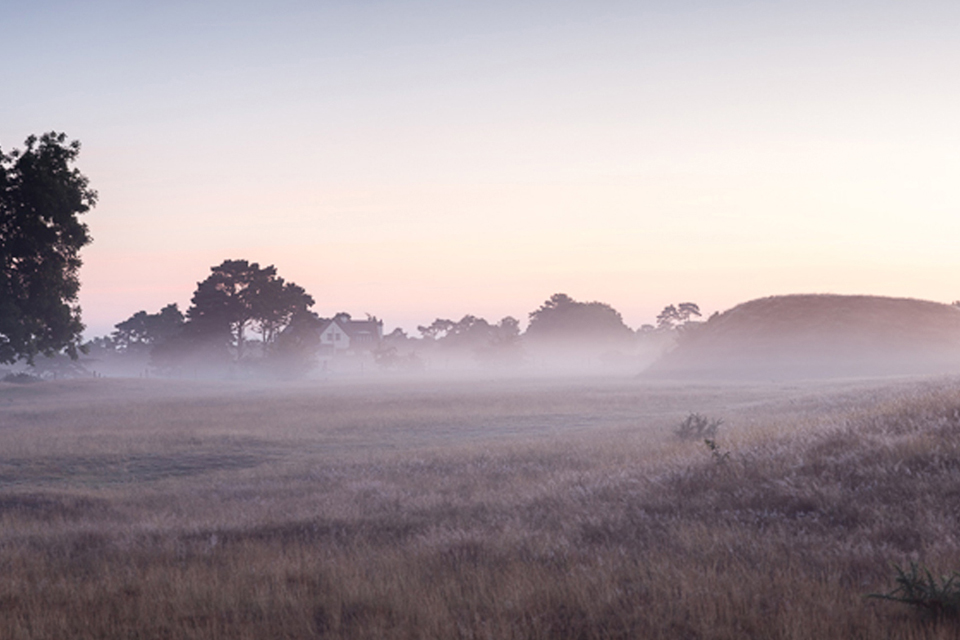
{"x": 348, "y": 521}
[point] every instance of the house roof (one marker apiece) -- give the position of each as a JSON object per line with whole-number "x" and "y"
{"x": 354, "y": 328}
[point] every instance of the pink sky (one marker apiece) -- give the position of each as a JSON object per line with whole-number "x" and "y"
{"x": 416, "y": 159}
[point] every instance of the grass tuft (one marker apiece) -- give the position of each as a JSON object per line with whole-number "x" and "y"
{"x": 935, "y": 597}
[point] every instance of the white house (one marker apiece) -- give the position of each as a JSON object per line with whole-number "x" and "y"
{"x": 341, "y": 334}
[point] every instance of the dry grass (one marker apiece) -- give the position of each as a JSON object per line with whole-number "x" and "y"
{"x": 522, "y": 509}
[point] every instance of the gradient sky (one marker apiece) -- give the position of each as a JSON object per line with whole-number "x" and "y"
{"x": 423, "y": 159}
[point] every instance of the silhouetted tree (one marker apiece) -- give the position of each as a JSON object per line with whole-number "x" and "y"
{"x": 237, "y": 296}
{"x": 41, "y": 197}
{"x": 142, "y": 331}
{"x": 398, "y": 336}
{"x": 508, "y": 329}
{"x": 216, "y": 313}
{"x": 686, "y": 311}
{"x": 474, "y": 336}
{"x": 275, "y": 305}
{"x": 561, "y": 318}
{"x": 436, "y": 330}
{"x": 504, "y": 346}
{"x": 668, "y": 318}
{"x": 470, "y": 332}
{"x": 672, "y": 316}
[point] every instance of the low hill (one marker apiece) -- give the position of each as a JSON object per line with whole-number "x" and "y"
{"x": 814, "y": 336}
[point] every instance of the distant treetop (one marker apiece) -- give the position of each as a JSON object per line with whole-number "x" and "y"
{"x": 561, "y": 318}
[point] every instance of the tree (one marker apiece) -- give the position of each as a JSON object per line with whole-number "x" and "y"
{"x": 220, "y": 310}
{"x": 563, "y": 319}
{"x": 275, "y": 304}
{"x": 239, "y": 295}
{"x": 469, "y": 333}
{"x": 437, "y": 330}
{"x": 504, "y": 346}
{"x": 41, "y": 197}
{"x": 668, "y": 317}
{"x": 296, "y": 345}
{"x": 142, "y": 331}
{"x": 398, "y": 335}
{"x": 508, "y": 330}
{"x": 678, "y": 315}
{"x": 475, "y": 337}
{"x": 687, "y": 310}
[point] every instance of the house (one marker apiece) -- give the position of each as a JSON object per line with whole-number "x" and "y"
{"x": 342, "y": 334}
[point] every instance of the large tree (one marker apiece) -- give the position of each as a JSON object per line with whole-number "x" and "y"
{"x": 561, "y": 319}
{"x": 42, "y": 196}
{"x": 240, "y": 295}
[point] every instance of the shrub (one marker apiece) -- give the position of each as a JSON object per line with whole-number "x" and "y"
{"x": 918, "y": 588}
{"x": 697, "y": 427}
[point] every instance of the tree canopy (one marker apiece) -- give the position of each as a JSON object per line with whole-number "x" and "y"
{"x": 143, "y": 330}
{"x": 563, "y": 319}
{"x": 240, "y": 295}
{"x": 472, "y": 333}
{"x": 42, "y": 196}
{"x": 678, "y": 315}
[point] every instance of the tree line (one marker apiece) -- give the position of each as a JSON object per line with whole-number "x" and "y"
{"x": 242, "y": 313}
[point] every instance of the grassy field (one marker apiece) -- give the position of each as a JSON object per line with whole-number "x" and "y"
{"x": 472, "y": 509}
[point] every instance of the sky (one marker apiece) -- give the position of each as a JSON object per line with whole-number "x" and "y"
{"x": 415, "y": 159}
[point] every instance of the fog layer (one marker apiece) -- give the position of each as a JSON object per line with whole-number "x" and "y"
{"x": 819, "y": 336}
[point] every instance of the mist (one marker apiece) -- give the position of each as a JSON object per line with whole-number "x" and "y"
{"x": 819, "y": 337}
{"x": 485, "y": 479}
{"x": 355, "y": 504}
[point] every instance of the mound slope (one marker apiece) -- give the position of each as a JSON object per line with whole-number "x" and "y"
{"x": 813, "y": 336}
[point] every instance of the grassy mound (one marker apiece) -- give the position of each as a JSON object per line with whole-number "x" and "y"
{"x": 814, "y": 336}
